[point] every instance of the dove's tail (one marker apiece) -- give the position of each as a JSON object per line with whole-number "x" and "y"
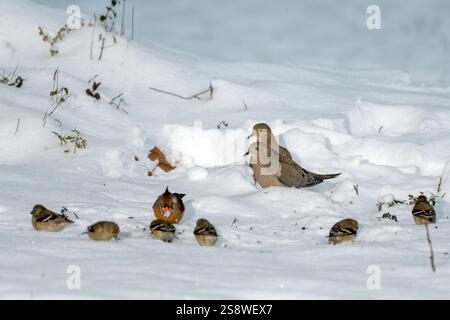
{"x": 327, "y": 176}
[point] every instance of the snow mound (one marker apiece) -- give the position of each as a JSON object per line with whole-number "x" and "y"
{"x": 372, "y": 119}
{"x": 28, "y": 144}
{"x": 195, "y": 146}
{"x": 197, "y": 173}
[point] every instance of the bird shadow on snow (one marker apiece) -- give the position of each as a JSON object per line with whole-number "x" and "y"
{"x": 326, "y": 186}
{"x": 189, "y": 212}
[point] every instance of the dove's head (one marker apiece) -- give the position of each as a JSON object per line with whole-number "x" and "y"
{"x": 261, "y": 129}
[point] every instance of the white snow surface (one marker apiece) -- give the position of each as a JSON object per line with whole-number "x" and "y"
{"x": 387, "y": 134}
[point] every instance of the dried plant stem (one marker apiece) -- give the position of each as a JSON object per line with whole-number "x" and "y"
{"x": 92, "y": 37}
{"x": 54, "y": 109}
{"x": 132, "y": 23}
{"x": 122, "y": 27}
{"x": 75, "y": 144}
{"x": 44, "y": 119}
{"x": 195, "y": 96}
{"x": 17, "y": 127}
{"x": 433, "y": 267}
{"x": 439, "y": 187}
{"x": 101, "y": 50}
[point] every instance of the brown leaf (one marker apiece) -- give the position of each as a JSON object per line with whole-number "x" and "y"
{"x": 157, "y": 155}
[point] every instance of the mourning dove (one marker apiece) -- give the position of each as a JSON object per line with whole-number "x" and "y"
{"x": 423, "y": 212}
{"x": 103, "y": 230}
{"x": 43, "y": 219}
{"x": 344, "y": 230}
{"x": 162, "y": 230}
{"x": 205, "y": 233}
{"x": 271, "y": 170}
{"x": 169, "y": 206}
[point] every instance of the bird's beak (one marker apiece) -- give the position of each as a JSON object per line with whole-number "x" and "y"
{"x": 250, "y": 136}
{"x": 246, "y": 154}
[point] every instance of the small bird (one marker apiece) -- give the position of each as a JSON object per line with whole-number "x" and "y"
{"x": 205, "y": 233}
{"x": 162, "y": 230}
{"x": 271, "y": 170}
{"x": 344, "y": 230}
{"x": 103, "y": 230}
{"x": 423, "y": 212}
{"x": 169, "y": 206}
{"x": 43, "y": 219}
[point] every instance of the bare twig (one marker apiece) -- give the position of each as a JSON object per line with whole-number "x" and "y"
{"x": 14, "y": 72}
{"x": 356, "y": 187}
{"x": 57, "y": 95}
{"x": 132, "y": 23}
{"x": 122, "y": 28}
{"x": 76, "y": 140}
{"x": 101, "y": 50}
{"x": 195, "y": 96}
{"x": 44, "y": 119}
{"x": 245, "y": 106}
{"x": 92, "y": 36}
{"x": 433, "y": 267}
{"x": 17, "y": 127}
{"x": 117, "y": 101}
{"x": 92, "y": 78}
{"x": 439, "y": 187}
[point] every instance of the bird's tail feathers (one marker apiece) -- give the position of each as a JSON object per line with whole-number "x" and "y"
{"x": 327, "y": 176}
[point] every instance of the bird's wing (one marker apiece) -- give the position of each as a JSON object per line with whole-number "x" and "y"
{"x": 292, "y": 175}
{"x": 423, "y": 209}
{"x": 45, "y": 215}
{"x": 207, "y": 231}
{"x": 342, "y": 230}
{"x": 162, "y": 226}
{"x": 285, "y": 155}
{"x": 60, "y": 219}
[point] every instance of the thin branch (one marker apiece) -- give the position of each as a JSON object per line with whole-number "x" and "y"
{"x": 195, "y": 96}
{"x": 122, "y": 28}
{"x": 433, "y": 267}
{"x": 56, "y": 107}
{"x": 132, "y": 23}
{"x": 17, "y": 128}
{"x": 115, "y": 98}
{"x": 116, "y": 104}
{"x": 92, "y": 78}
{"x": 101, "y": 50}
{"x": 14, "y": 72}
{"x": 439, "y": 187}
{"x": 44, "y": 119}
{"x": 92, "y": 36}
{"x": 76, "y": 141}
{"x": 245, "y": 106}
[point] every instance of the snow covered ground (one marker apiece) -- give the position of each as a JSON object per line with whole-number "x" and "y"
{"x": 384, "y": 122}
